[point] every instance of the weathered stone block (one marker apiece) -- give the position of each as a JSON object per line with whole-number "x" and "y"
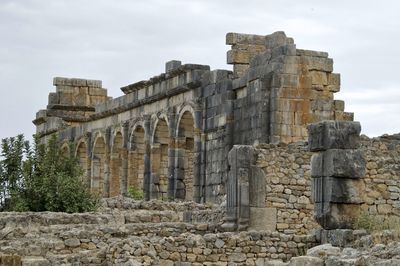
{"x": 53, "y": 98}
{"x": 263, "y": 218}
{"x": 339, "y": 105}
{"x": 319, "y": 77}
{"x": 333, "y": 79}
{"x": 238, "y": 57}
{"x": 318, "y": 63}
{"x": 306, "y": 261}
{"x": 338, "y": 163}
{"x": 239, "y": 38}
{"x": 94, "y": 83}
{"x": 334, "y": 135}
{"x": 276, "y": 39}
{"x": 241, "y": 156}
{"x": 337, "y": 190}
{"x": 312, "y": 53}
{"x": 335, "y": 215}
{"x": 171, "y": 65}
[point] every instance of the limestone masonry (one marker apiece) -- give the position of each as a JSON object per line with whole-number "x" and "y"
{"x": 264, "y": 149}
{"x": 170, "y": 135}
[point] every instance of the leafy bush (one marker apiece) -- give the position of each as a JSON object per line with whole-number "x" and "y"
{"x": 135, "y": 193}
{"x": 40, "y": 178}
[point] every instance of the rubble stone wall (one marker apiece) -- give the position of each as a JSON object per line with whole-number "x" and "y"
{"x": 288, "y": 185}
{"x": 138, "y": 233}
{"x": 288, "y": 182}
{"x": 382, "y": 178}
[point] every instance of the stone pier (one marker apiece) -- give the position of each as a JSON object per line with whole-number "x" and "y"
{"x": 337, "y": 168}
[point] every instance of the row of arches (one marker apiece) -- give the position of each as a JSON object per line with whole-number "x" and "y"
{"x": 161, "y": 164}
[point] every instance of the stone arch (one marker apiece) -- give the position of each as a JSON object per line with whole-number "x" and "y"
{"x": 159, "y": 117}
{"x": 81, "y": 154}
{"x": 159, "y": 158}
{"x": 187, "y": 107}
{"x": 185, "y": 156}
{"x": 97, "y": 183}
{"x": 116, "y": 157}
{"x": 137, "y": 150}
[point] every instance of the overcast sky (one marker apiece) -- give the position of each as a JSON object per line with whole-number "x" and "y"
{"x": 124, "y": 41}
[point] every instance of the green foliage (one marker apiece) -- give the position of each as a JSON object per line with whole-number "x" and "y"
{"x": 135, "y": 193}
{"x": 40, "y": 178}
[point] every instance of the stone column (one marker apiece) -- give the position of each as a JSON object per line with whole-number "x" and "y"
{"x": 179, "y": 172}
{"x": 88, "y": 139}
{"x": 171, "y": 153}
{"x": 197, "y": 160}
{"x": 106, "y": 192}
{"x": 147, "y": 170}
{"x": 155, "y": 151}
{"x": 124, "y": 163}
{"x": 336, "y": 170}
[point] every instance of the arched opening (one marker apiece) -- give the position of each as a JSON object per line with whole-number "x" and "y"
{"x": 159, "y": 159}
{"x": 98, "y": 163}
{"x": 116, "y": 165}
{"x": 185, "y": 156}
{"x": 81, "y": 154}
{"x": 136, "y": 159}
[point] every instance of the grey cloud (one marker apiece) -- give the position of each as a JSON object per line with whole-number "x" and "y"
{"x": 125, "y": 41}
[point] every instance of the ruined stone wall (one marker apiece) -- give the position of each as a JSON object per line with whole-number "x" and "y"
{"x": 145, "y": 233}
{"x": 382, "y": 178}
{"x": 288, "y": 185}
{"x": 288, "y": 182}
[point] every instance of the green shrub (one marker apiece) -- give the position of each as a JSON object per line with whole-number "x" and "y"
{"x": 135, "y": 193}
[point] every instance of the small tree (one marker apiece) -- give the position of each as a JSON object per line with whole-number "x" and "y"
{"x": 47, "y": 180}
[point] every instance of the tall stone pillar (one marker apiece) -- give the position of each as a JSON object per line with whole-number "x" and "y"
{"x": 336, "y": 170}
{"x": 106, "y": 192}
{"x": 124, "y": 163}
{"x": 88, "y": 139}
{"x": 147, "y": 169}
{"x": 197, "y": 160}
{"x": 171, "y": 154}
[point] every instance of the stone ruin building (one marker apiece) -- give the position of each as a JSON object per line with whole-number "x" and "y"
{"x": 170, "y": 135}
{"x": 236, "y": 138}
{"x": 266, "y": 143}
